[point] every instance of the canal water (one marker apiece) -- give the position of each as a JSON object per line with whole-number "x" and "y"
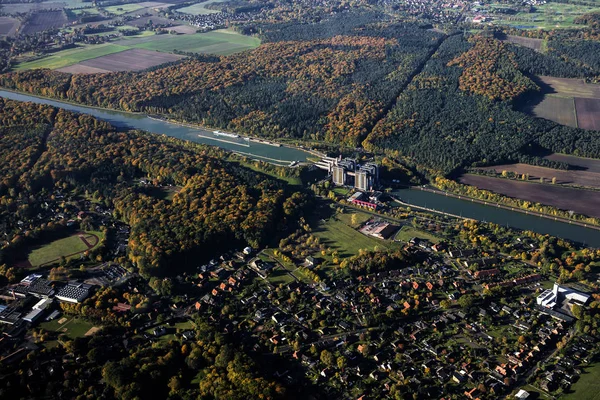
{"x": 500, "y": 216}
{"x": 279, "y": 155}
{"x": 284, "y": 155}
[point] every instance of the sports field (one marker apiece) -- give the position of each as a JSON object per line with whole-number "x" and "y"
{"x": 69, "y": 247}
{"x": 72, "y": 327}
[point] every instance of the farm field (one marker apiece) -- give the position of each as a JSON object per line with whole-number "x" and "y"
{"x": 578, "y": 178}
{"x": 72, "y": 56}
{"x": 570, "y": 102}
{"x": 8, "y": 26}
{"x": 154, "y": 4}
{"x": 346, "y": 240}
{"x": 588, "y": 164}
{"x": 535, "y": 44}
{"x": 183, "y": 29}
{"x": 577, "y": 200}
{"x": 68, "y": 247}
{"x": 221, "y": 42}
{"x": 128, "y": 60}
{"x": 124, "y": 8}
{"x": 588, "y": 113}
{"x": 571, "y": 87}
{"x": 42, "y": 21}
{"x": 200, "y": 8}
{"x": 72, "y": 327}
{"x": 558, "y": 109}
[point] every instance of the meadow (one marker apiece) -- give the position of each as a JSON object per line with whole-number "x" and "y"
{"x": 220, "y": 42}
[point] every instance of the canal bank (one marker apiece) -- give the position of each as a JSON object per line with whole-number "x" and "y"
{"x": 498, "y": 215}
{"x": 282, "y": 155}
{"x": 285, "y": 155}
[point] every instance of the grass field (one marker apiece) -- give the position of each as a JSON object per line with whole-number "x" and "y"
{"x": 221, "y": 42}
{"x": 547, "y": 16}
{"x": 73, "y": 327}
{"x": 588, "y": 385}
{"x": 89, "y": 11}
{"x": 200, "y": 8}
{"x": 72, "y": 245}
{"x": 72, "y": 56}
{"x": 347, "y": 241}
{"x": 408, "y": 232}
{"x": 279, "y": 276}
{"x": 123, "y": 8}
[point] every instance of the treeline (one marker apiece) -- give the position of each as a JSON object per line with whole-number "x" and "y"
{"x": 211, "y": 365}
{"x": 329, "y": 81}
{"x": 220, "y": 204}
{"x": 486, "y": 195}
{"x": 442, "y": 126}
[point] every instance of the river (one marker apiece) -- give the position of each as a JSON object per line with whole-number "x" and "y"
{"x": 481, "y": 212}
{"x": 279, "y": 155}
{"x": 284, "y": 155}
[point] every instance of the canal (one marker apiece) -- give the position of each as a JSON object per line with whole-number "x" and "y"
{"x": 284, "y": 155}
{"x": 279, "y": 155}
{"x": 515, "y": 219}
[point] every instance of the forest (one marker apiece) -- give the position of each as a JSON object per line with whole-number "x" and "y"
{"x": 442, "y": 102}
{"x": 328, "y": 81}
{"x": 220, "y": 204}
{"x": 447, "y": 120}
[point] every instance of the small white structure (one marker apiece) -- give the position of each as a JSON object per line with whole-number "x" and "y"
{"x": 42, "y": 304}
{"x": 522, "y": 394}
{"x": 33, "y": 315}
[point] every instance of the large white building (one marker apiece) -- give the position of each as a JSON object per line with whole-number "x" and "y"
{"x": 551, "y": 297}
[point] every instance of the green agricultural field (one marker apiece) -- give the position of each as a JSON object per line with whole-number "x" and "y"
{"x": 71, "y": 56}
{"x": 588, "y": 385}
{"x": 89, "y": 11}
{"x": 200, "y": 8}
{"x": 221, "y": 42}
{"x": 123, "y": 8}
{"x": 69, "y": 247}
{"x": 346, "y": 240}
{"x": 408, "y": 232}
{"x": 72, "y": 327}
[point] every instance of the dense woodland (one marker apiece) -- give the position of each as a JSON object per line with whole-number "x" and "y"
{"x": 445, "y": 102}
{"x": 440, "y": 123}
{"x": 328, "y": 81}
{"x": 219, "y": 205}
